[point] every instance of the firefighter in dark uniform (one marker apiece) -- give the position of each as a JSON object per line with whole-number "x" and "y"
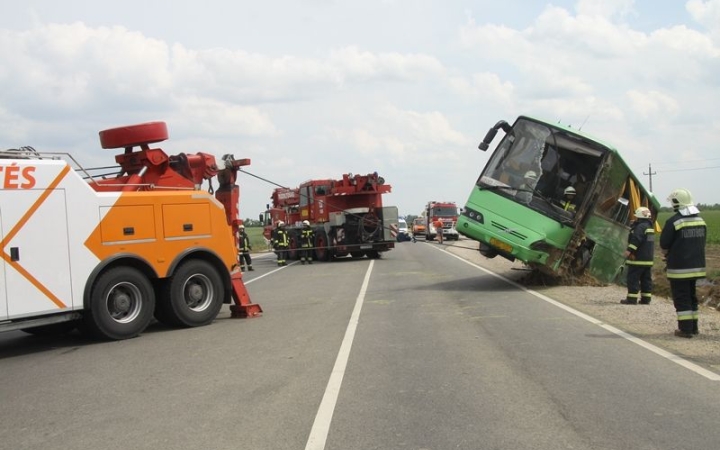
{"x": 682, "y": 242}
{"x": 244, "y": 249}
{"x": 640, "y": 254}
{"x": 307, "y": 238}
{"x": 280, "y": 243}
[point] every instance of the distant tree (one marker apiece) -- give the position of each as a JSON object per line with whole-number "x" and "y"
{"x": 410, "y": 218}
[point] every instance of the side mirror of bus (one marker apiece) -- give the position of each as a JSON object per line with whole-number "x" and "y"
{"x": 492, "y": 132}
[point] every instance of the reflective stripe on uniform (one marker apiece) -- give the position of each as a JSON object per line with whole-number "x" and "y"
{"x": 696, "y": 272}
{"x": 686, "y": 315}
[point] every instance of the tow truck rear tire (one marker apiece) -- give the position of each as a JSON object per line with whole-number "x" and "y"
{"x": 193, "y": 296}
{"x": 122, "y": 302}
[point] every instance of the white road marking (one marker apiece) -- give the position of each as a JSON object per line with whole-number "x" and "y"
{"x": 321, "y": 426}
{"x": 657, "y": 350}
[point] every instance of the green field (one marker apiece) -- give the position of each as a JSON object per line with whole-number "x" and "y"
{"x": 712, "y": 219}
{"x": 257, "y": 241}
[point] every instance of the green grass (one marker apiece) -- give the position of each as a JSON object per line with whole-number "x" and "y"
{"x": 712, "y": 219}
{"x": 257, "y": 241}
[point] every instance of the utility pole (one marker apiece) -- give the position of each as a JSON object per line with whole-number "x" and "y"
{"x": 650, "y": 173}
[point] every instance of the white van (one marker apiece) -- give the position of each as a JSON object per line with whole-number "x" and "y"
{"x": 403, "y": 234}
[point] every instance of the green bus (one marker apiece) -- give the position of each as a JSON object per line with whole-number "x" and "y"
{"x": 518, "y": 208}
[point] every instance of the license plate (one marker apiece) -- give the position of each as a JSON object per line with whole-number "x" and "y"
{"x": 365, "y": 247}
{"x": 507, "y": 248}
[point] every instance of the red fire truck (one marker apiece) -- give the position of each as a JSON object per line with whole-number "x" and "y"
{"x": 447, "y": 213}
{"x": 347, "y": 216}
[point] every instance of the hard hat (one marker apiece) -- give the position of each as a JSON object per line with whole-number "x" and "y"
{"x": 642, "y": 213}
{"x": 306, "y": 223}
{"x": 242, "y": 227}
{"x": 680, "y": 198}
{"x": 570, "y": 190}
{"x": 531, "y": 175}
{"x": 280, "y": 223}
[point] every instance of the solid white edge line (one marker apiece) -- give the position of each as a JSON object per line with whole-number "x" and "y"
{"x": 321, "y": 425}
{"x": 266, "y": 274}
{"x": 657, "y": 350}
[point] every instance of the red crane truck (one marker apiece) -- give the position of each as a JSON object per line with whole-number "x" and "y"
{"x": 107, "y": 252}
{"x": 347, "y": 216}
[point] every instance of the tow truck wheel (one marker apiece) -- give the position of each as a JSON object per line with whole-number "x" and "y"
{"x": 193, "y": 297}
{"x": 122, "y": 302}
{"x": 322, "y": 252}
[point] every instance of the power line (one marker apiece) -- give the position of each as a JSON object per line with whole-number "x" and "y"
{"x": 686, "y": 161}
{"x": 687, "y": 170}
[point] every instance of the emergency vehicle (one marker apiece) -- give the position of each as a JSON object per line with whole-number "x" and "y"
{"x": 110, "y": 252}
{"x": 347, "y": 216}
{"x": 445, "y": 212}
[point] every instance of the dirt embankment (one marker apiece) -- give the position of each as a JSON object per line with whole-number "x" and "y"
{"x": 653, "y": 323}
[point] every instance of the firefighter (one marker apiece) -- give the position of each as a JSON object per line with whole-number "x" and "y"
{"x": 568, "y": 201}
{"x": 682, "y": 242}
{"x": 280, "y": 243}
{"x": 639, "y": 254}
{"x": 244, "y": 249}
{"x": 526, "y": 189}
{"x": 307, "y": 237}
{"x": 439, "y": 230}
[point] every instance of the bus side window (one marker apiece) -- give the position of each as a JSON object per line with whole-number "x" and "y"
{"x": 621, "y": 211}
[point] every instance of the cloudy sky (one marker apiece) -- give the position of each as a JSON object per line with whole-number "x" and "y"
{"x": 407, "y": 88}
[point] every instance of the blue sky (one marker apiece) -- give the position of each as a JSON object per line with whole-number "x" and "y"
{"x": 318, "y": 88}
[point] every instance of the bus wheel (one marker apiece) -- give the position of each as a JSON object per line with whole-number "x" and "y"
{"x": 193, "y": 297}
{"x": 487, "y": 251}
{"x": 122, "y": 302}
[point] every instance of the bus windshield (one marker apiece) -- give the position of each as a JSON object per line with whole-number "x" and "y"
{"x": 535, "y": 163}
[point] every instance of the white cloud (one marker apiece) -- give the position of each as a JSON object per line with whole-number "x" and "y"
{"x": 321, "y": 96}
{"x": 653, "y": 105}
{"x": 705, "y": 12}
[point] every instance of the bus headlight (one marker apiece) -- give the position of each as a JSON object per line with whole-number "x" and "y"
{"x": 473, "y": 215}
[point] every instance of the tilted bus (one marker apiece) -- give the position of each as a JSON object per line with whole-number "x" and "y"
{"x": 519, "y": 216}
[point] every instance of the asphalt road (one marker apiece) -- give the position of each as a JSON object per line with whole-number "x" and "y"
{"x": 418, "y": 350}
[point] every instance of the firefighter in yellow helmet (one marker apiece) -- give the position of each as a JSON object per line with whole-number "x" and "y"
{"x": 307, "y": 239}
{"x": 244, "y": 249}
{"x": 640, "y": 254}
{"x": 568, "y": 201}
{"x": 280, "y": 243}
{"x": 682, "y": 242}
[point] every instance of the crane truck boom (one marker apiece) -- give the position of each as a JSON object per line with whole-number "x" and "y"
{"x": 347, "y": 216}
{"x": 109, "y": 253}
